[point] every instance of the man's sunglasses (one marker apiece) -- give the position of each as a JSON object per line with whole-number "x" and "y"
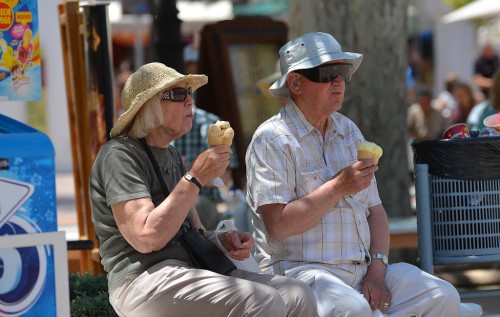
{"x": 176, "y": 94}
{"x": 327, "y": 73}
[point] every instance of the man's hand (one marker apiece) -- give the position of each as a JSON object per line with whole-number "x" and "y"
{"x": 374, "y": 288}
{"x": 355, "y": 178}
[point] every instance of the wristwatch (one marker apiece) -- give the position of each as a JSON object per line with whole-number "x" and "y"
{"x": 381, "y": 257}
{"x": 192, "y": 179}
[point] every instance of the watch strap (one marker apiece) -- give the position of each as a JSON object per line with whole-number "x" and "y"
{"x": 192, "y": 179}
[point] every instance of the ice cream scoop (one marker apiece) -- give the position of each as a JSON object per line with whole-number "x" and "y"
{"x": 217, "y": 134}
{"x": 369, "y": 150}
{"x": 220, "y": 133}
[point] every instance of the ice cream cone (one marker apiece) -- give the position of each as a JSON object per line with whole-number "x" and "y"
{"x": 369, "y": 150}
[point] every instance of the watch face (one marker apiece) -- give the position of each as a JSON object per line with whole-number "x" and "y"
{"x": 189, "y": 176}
{"x": 381, "y": 257}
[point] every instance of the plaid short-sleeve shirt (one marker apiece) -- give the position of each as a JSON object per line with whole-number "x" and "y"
{"x": 288, "y": 159}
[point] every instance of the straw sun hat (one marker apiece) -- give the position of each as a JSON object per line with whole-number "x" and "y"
{"x": 146, "y": 82}
{"x": 308, "y": 51}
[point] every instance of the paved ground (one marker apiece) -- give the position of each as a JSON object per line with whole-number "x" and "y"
{"x": 66, "y": 206}
{"x": 67, "y": 221}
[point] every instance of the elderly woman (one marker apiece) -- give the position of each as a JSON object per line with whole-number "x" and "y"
{"x": 138, "y": 209}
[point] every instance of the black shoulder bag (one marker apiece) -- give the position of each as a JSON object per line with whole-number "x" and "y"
{"x": 204, "y": 254}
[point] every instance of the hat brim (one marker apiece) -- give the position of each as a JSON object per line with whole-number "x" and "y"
{"x": 126, "y": 119}
{"x": 279, "y": 88}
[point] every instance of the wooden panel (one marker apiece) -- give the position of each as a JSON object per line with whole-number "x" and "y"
{"x": 404, "y": 240}
{"x": 403, "y": 232}
{"x": 235, "y": 54}
{"x": 70, "y": 20}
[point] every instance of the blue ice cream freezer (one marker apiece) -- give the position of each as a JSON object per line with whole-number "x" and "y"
{"x": 27, "y": 206}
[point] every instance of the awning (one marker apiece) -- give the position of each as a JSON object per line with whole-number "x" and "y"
{"x": 474, "y": 10}
{"x": 261, "y": 8}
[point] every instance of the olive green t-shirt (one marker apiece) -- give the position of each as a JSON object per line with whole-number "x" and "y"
{"x": 123, "y": 171}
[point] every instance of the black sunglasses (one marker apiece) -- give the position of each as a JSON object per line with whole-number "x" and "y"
{"x": 327, "y": 73}
{"x": 177, "y": 94}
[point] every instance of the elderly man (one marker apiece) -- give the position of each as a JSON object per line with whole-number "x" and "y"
{"x": 317, "y": 212}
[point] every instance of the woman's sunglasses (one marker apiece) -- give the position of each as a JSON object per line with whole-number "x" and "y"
{"x": 176, "y": 94}
{"x": 327, "y": 73}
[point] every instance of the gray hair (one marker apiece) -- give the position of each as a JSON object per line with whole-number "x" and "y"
{"x": 148, "y": 118}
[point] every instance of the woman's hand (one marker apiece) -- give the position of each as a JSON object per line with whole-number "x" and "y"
{"x": 211, "y": 163}
{"x": 238, "y": 244}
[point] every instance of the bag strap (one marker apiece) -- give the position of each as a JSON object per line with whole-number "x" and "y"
{"x": 156, "y": 167}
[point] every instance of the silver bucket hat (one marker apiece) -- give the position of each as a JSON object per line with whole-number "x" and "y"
{"x": 147, "y": 81}
{"x": 308, "y": 51}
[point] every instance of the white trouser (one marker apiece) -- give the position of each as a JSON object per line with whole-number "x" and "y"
{"x": 414, "y": 292}
{"x": 170, "y": 288}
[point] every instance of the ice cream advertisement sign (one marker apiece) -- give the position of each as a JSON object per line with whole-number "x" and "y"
{"x": 20, "y": 69}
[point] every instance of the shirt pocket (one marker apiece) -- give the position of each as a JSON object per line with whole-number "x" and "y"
{"x": 361, "y": 199}
{"x": 309, "y": 181}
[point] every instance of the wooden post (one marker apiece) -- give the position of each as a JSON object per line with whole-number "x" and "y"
{"x": 70, "y": 20}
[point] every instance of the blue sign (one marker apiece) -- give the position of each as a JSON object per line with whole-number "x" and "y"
{"x": 27, "y": 206}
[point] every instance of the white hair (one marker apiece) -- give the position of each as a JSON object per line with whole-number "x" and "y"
{"x": 148, "y": 118}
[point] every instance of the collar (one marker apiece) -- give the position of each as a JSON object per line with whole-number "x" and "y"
{"x": 303, "y": 126}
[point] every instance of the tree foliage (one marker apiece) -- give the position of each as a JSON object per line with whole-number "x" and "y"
{"x": 457, "y": 3}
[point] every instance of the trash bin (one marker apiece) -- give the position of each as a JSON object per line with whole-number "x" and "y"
{"x": 469, "y": 158}
{"x": 464, "y": 193}
{"x": 27, "y": 206}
